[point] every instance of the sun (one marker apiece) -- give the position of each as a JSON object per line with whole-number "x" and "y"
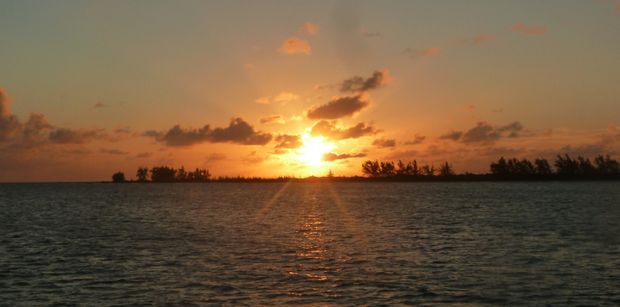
{"x": 313, "y": 149}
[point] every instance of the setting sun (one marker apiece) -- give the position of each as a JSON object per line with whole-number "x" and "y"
{"x": 313, "y": 150}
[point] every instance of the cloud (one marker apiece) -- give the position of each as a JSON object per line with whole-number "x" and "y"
{"x": 294, "y": 45}
{"x": 454, "y": 135}
{"x": 485, "y": 133}
{"x": 418, "y": 139}
{"x": 310, "y": 28}
{"x": 359, "y": 84}
{"x": 419, "y": 53}
{"x": 529, "y": 30}
{"x": 74, "y": 136}
{"x": 282, "y": 98}
{"x": 113, "y": 152}
{"x": 384, "y": 143}
{"x": 237, "y": 132}
{"x": 35, "y": 125}
{"x": 338, "y": 107}
{"x": 143, "y": 155}
{"x": 334, "y": 156}
{"x": 99, "y": 104}
{"x": 272, "y": 119}
{"x": 286, "y": 141}
{"x": 329, "y": 130}
{"x": 215, "y": 157}
{"x": 513, "y": 129}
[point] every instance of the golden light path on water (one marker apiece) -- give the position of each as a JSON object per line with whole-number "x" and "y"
{"x": 313, "y": 247}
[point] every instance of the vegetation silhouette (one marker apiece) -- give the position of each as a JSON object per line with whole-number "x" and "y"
{"x": 564, "y": 168}
{"x": 118, "y": 177}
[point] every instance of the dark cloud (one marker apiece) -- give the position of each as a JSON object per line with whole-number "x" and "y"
{"x": 271, "y": 119}
{"x": 338, "y": 107}
{"x": 99, "y": 104}
{"x": 454, "y": 136}
{"x": 328, "y": 129}
{"x": 485, "y": 133}
{"x": 513, "y": 129}
{"x": 143, "y": 155}
{"x": 215, "y": 157}
{"x": 360, "y": 84}
{"x": 113, "y": 151}
{"x": 286, "y": 141}
{"x": 482, "y": 133}
{"x": 334, "y": 156}
{"x": 74, "y": 136}
{"x": 238, "y": 132}
{"x": 419, "y": 139}
{"x": 383, "y": 143}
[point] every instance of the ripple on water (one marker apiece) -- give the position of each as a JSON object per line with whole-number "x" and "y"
{"x": 312, "y": 243}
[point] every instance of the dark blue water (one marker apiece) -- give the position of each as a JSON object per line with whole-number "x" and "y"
{"x": 311, "y": 243}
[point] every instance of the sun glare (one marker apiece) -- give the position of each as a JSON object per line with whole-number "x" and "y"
{"x": 313, "y": 150}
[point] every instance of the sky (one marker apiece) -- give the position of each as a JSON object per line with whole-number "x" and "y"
{"x": 299, "y": 88}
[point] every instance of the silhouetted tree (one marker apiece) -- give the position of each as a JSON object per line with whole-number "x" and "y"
{"x": 388, "y": 169}
{"x": 181, "y": 174}
{"x": 586, "y": 168}
{"x": 163, "y": 174}
{"x": 142, "y": 174}
{"x": 606, "y": 165}
{"x": 566, "y": 166}
{"x": 371, "y": 168}
{"x": 118, "y": 177}
{"x": 500, "y": 167}
{"x": 445, "y": 170}
{"x": 428, "y": 170}
{"x": 543, "y": 168}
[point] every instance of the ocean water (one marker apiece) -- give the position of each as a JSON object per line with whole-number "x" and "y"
{"x": 484, "y": 243}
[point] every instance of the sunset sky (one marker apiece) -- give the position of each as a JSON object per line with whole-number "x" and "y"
{"x": 260, "y": 88}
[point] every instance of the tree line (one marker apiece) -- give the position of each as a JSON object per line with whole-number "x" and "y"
{"x": 563, "y": 167}
{"x": 165, "y": 174}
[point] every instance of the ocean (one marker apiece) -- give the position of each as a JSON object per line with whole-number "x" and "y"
{"x": 311, "y": 243}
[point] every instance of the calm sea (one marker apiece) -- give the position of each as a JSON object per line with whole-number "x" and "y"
{"x": 311, "y": 243}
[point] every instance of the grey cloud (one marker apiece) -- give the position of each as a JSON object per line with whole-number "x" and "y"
{"x": 338, "y": 107}
{"x": 329, "y": 130}
{"x": 113, "y": 152}
{"x": 237, "y": 132}
{"x": 334, "y": 156}
{"x": 74, "y": 136}
{"x": 383, "y": 143}
{"x": 454, "y": 135}
{"x": 270, "y": 119}
{"x": 419, "y": 139}
{"x": 485, "y": 133}
{"x": 288, "y": 141}
{"x": 359, "y": 84}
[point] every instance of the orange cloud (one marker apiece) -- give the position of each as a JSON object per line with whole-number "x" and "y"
{"x": 294, "y": 45}
{"x": 529, "y": 30}
{"x": 310, "y": 28}
{"x": 282, "y": 98}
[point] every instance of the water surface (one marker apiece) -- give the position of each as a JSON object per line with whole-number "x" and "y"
{"x": 311, "y": 243}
